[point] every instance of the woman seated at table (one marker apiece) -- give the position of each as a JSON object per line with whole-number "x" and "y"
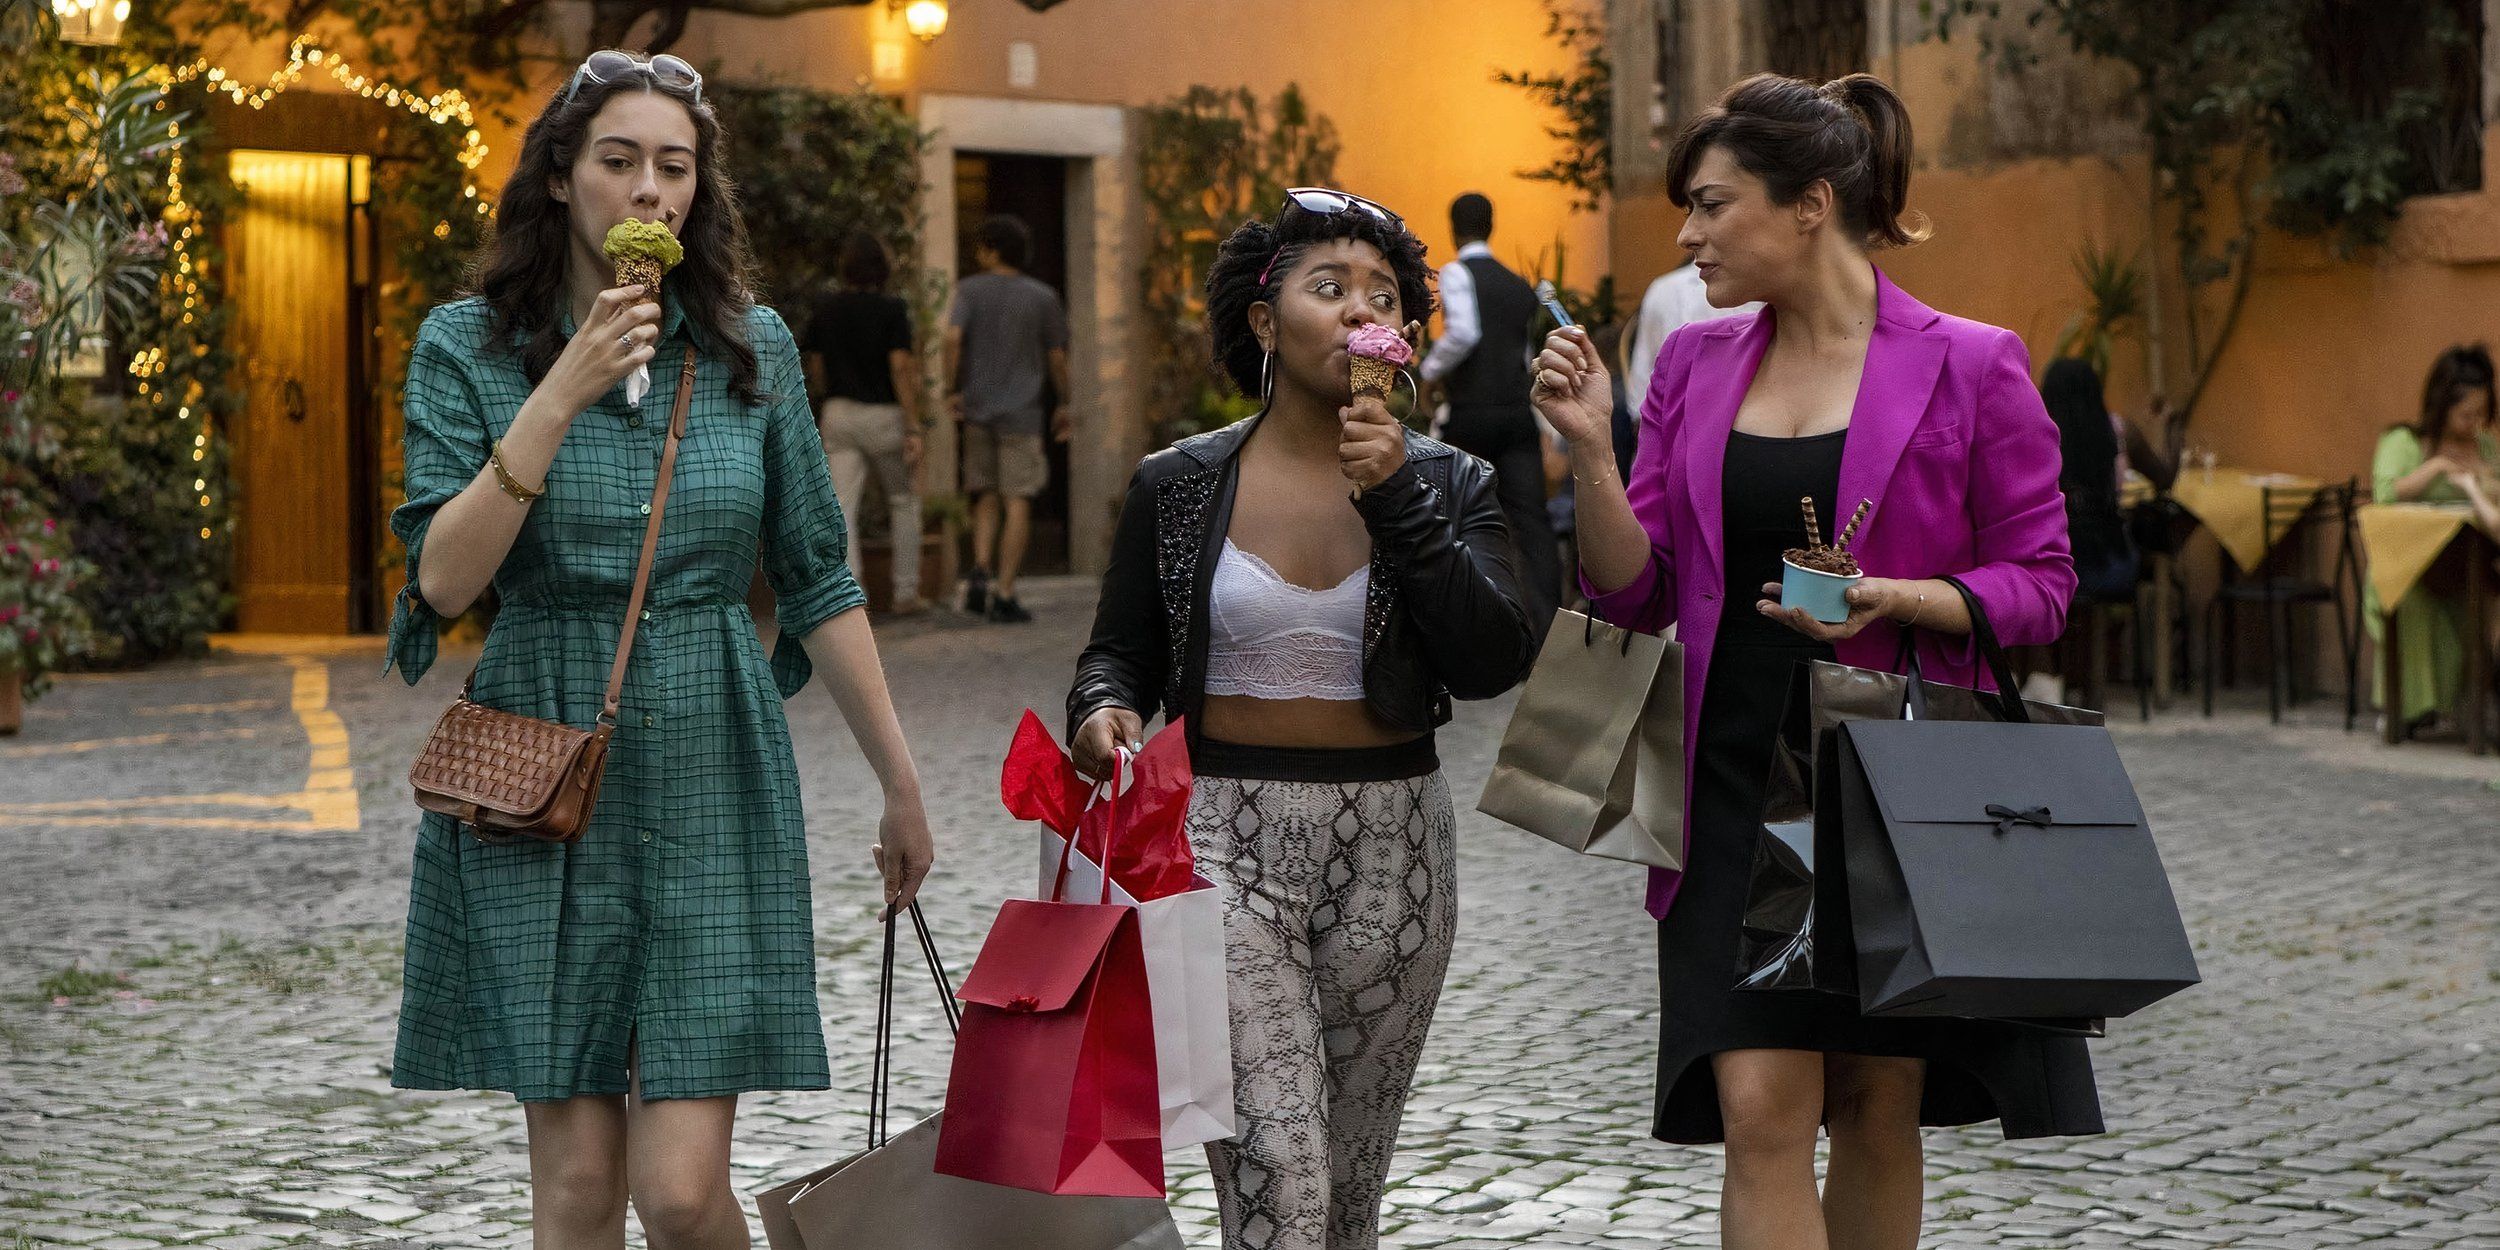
{"x": 2449, "y": 455}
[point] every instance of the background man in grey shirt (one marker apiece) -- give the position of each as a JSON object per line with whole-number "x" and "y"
{"x": 1007, "y": 358}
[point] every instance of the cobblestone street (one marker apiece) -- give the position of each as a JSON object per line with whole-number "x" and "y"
{"x": 203, "y": 872}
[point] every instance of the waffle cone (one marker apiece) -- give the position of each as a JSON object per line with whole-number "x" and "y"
{"x": 1373, "y": 376}
{"x": 643, "y": 270}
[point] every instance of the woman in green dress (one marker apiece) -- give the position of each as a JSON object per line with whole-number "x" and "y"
{"x": 628, "y": 987}
{"x": 2451, "y": 455}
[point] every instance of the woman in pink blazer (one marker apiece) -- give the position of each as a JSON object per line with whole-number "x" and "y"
{"x": 1843, "y": 389}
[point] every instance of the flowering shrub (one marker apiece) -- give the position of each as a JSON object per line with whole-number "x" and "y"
{"x": 41, "y": 622}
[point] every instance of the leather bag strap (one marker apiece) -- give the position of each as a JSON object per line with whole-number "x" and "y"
{"x": 2009, "y": 692}
{"x": 650, "y": 540}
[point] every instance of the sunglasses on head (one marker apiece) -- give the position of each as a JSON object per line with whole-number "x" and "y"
{"x": 1327, "y": 202}
{"x": 608, "y": 65}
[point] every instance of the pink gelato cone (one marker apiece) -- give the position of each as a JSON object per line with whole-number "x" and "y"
{"x": 1373, "y": 354}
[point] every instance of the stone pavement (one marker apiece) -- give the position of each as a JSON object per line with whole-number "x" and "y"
{"x": 2335, "y": 1082}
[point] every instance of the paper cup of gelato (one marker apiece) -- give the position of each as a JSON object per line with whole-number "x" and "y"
{"x": 1818, "y": 579}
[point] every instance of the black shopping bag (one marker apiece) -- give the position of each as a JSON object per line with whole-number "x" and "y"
{"x": 2002, "y": 870}
{"x": 1795, "y": 933}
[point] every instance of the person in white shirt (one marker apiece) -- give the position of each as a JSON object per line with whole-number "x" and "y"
{"x": 1675, "y": 299}
{"x": 1480, "y": 363}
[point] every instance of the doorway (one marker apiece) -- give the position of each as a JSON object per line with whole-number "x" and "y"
{"x": 305, "y": 447}
{"x": 1034, "y": 190}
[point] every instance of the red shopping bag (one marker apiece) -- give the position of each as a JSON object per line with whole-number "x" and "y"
{"x": 1054, "y": 1086}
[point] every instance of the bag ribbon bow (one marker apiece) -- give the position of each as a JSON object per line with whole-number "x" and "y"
{"x": 2007, "y": 818}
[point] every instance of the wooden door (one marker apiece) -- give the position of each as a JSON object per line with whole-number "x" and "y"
{"x": 293, "y": 478}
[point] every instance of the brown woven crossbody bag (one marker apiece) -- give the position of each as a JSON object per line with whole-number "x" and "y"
{"x": 505, "y": 776}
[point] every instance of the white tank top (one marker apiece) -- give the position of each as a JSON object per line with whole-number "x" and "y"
{"x": 1270, "y": 639}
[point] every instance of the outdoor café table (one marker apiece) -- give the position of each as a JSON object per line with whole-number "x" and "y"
{"x": 2232, "y": 504}
{"x": 2229, "y": 502}
{"x": 2403, "y": 541}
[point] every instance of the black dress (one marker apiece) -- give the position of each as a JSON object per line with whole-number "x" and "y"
{"x": 2036, "y": 1083}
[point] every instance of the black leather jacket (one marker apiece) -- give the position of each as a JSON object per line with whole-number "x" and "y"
{"x": 1443, "y": 619}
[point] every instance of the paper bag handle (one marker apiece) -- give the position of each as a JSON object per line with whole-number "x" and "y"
{"x": 881, "y": 1071}
{"x": 1123, "y": 765}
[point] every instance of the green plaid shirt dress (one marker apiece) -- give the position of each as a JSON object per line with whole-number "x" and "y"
{"x": 677, "y": 929}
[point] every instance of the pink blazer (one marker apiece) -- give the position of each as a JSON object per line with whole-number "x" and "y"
{"x": 1949, "y": 438}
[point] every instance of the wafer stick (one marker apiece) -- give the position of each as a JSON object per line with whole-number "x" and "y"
{"x": 1814, "y": 533}
{"x": 1847, "y": 534}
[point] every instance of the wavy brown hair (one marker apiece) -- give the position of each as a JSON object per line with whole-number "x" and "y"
{"x": 520, "y": 272}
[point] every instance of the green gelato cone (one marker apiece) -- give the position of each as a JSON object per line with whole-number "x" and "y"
{"x": 643, "y": 240}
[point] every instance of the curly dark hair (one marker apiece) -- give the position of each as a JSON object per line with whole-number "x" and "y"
{"x": 520, "y": 271}
{"x": 1233, "y": 280}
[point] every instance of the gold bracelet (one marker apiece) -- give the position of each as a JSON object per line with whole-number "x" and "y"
{"x": 1916, "y": 612}
{"x": 511, "y": 485}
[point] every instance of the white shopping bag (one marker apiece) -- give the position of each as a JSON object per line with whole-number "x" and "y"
{"x": 1184, "y": 939}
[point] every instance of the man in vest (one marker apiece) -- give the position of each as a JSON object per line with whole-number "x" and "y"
{"x": 1480, "y": 363}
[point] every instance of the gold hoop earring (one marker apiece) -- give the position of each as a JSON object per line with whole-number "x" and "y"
{"x": 1267, "y": 378}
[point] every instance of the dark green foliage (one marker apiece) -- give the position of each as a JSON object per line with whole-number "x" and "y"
{"x": 1584, "y": 99}
{"x": 1210, "y": 160}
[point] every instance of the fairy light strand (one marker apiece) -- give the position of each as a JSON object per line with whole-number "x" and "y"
{"x": 304, "y": 56}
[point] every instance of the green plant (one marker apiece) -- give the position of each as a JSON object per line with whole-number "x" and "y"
{"x": 945, "y": 509}
{"x": 80, "y": 255}
{"x": 1584, "y": 98}
{"x": 42, "y": 625}
{"x": 1592, "y": 308}
{"x": 2251, "y": 102}
{"x": 82, "y": 166}
{"x": 2114, "y": 296}
{"x": 1209, "y": 160}
{"x": 422, "y": 211}
{"x": 136, "y": 468}
{"x": 813, "y": 166}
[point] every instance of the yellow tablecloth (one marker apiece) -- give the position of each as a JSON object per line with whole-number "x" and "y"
{"x": 2231, "y": 503}
{"x": 2403, "y": 540}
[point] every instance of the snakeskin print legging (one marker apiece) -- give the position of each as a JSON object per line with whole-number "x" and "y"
{"x": 1340, "y": 900}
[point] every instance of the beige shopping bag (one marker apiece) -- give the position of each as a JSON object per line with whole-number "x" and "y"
{"x": 1594, "y": 755}
{"x": 891, "y": 1197}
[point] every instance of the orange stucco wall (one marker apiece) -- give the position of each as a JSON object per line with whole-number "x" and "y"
{"x": 2327, "y": 352}
{"x": 1409, "y": 85}
{"x": 1407, "y": 82}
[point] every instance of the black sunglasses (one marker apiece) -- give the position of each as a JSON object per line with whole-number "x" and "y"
{"x": 1328, "y": 202}
{"x": 608, "y": 65}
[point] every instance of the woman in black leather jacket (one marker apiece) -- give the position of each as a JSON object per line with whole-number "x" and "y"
{"x": 1307, "y": 590}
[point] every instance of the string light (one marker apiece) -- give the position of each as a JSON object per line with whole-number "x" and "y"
{"x": 444, "y": 108}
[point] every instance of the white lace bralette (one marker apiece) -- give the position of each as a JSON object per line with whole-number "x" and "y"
{"x": 1270, "y": 639}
